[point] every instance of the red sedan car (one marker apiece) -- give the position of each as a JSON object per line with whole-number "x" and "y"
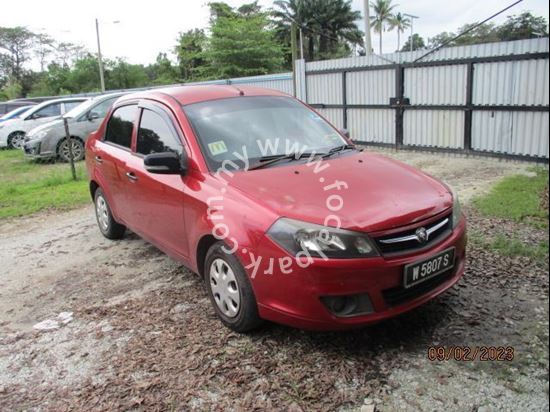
{"x": 284, "y": 218}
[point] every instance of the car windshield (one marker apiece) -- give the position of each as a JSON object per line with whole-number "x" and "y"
{"x": 267, "y": 126}
{"x": 81, "y": 108}
{"x": 15, "y": 112}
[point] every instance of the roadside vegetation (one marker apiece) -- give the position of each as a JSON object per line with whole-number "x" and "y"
{"x": 520, "y": 205}
{"x": 518, "y": 198}
{"x": 238, "y": 41}
{"x": 27, "y": 187}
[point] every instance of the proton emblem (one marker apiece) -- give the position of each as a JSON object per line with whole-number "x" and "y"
{"x": 421, "y": 235}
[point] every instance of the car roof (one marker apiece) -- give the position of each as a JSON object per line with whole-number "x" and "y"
{"x": 185, "y": 95}
{"x": 66, "y": 99}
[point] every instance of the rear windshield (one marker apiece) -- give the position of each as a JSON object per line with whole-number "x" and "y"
{"x": 264, "y": 125}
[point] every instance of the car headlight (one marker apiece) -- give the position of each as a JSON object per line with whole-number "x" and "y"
{"x": 457, "y": 209}
{"x": 320, "y": 241}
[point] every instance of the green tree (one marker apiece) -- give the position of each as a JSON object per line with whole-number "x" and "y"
{"x": 417, "y": 41}
{"x": 15, "y": 51}
{"x": 381, "y": 20}
{"x": 400, "y": 23}
{"x": 123, "y": 75}
{"x": 328, "y": 26}
{"x": 12, "y": 89}
{"x": 440, "y": 39}
{"x": 522, "y": 26}
{"x": 44, "y": 47}
{"x": 241, "y": 45}
{"x": 517, "y": 27}
{"x": 189, "y": 51}
{"x": 162, "y": 71}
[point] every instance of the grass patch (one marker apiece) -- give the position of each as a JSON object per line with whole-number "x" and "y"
{"x": 517, "y": 198}
{"x": 27, "y": 187}
{"x": 511, "y": 246}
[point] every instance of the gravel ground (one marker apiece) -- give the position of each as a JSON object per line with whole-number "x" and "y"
{"x": 142, "y": 335}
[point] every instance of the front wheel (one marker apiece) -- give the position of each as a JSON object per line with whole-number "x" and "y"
{"x": 63, "y": 151}
{"x": 108, "y": 226}
{"x": 230, "y": 291}
{"x": 16, "y": 140}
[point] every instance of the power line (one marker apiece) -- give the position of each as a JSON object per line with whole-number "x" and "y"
{"x": 467, "y": 31}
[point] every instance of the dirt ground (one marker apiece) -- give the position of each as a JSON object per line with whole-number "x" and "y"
{"x": 142, "y": 334}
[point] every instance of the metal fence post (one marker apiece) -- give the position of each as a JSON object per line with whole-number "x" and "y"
{"x": 344, "y": 101}
{"x": 399, "y": 110}
{"x": 70, "y": 143}
{"x": 469, "y": 108}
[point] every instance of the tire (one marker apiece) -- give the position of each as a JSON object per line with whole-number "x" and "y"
{"x": 16, "y": 140}
{"x": 108, "y": 226}
{"x": 230, "y": 291}
{"x": 63, "y": 150}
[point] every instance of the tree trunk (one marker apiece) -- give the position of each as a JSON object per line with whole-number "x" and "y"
{"x": 311, "y": 46}
{"x": 398, "y": 40}
{"x": 380, "y": 41}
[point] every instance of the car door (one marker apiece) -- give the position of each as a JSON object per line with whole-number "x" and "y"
{"x": 43, "y": 115}
{"x": 111, "y": 157}
{"x": 156, "y": 201}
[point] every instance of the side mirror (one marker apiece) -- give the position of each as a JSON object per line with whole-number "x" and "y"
{"x": 92, "y": 116}
{"x": 165, "y": 163}
{"x": 345, "y": 132}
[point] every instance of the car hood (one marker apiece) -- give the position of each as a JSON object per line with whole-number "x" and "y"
{"x": 367, "y": 192}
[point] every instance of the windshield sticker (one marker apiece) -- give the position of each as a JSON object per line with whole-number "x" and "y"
{"x": 217, "y": 148}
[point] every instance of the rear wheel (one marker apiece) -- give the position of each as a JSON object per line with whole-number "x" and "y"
{"x": 77, "y": 147}
{"x": 16, "y": 140}
{"x": 230, "y": 291}
{"x": 107, "y": 224}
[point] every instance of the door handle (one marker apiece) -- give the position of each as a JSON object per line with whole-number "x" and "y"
{"x": 98, "y": 159}
{"x": 131, "y": 176}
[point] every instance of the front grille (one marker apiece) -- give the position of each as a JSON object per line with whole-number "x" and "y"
{"x": 407, "y": 241}
{"x": 398, "y": 295}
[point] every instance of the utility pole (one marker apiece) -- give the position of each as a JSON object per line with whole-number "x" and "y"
{"x": 101, "y": 75}
{"x": 294, "y": 54}
{"x": 302, "y": 44}
{"x": 410, "y": 16}
{"x": 368, "y": 40}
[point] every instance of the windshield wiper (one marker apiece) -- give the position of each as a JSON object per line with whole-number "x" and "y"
{"x": 338, "y": 149}
{"x": 269, "y": 160}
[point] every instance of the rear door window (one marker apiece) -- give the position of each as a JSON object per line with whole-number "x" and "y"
{"x": 120, "y": 126}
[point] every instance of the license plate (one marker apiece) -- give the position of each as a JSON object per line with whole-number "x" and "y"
{"x": 418, "y": 272}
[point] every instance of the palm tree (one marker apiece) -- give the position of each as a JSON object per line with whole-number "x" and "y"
{"x": 382, "y": 16}
{"x": 326, "y": 24}
{"x": 399, "y": 22}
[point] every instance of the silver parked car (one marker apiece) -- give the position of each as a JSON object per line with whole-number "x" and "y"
{"x": 49, "y": 140}
{"x": 13, "y": 131}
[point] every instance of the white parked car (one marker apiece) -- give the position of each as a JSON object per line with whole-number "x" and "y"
{"x": 13, "y": 131}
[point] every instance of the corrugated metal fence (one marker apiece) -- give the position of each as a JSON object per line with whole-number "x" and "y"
{"x": 491, "y": 98}
{"x": 488, "y": 99}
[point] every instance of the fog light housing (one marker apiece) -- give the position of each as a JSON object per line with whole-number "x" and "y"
{"x": 344, "y": 306}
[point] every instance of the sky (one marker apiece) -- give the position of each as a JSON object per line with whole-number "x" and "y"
{"x": 146, "y": 28}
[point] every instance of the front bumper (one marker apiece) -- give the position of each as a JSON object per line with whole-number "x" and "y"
{"x": 33, "y": 150}
{"x": 294, "y": 298}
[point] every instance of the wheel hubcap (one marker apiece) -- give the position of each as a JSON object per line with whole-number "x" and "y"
{"x": 17, "y": 140}
{"x": 77, "y": 150}
{"x": 102, "y": 212}
{"x": 225, "y": 288}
